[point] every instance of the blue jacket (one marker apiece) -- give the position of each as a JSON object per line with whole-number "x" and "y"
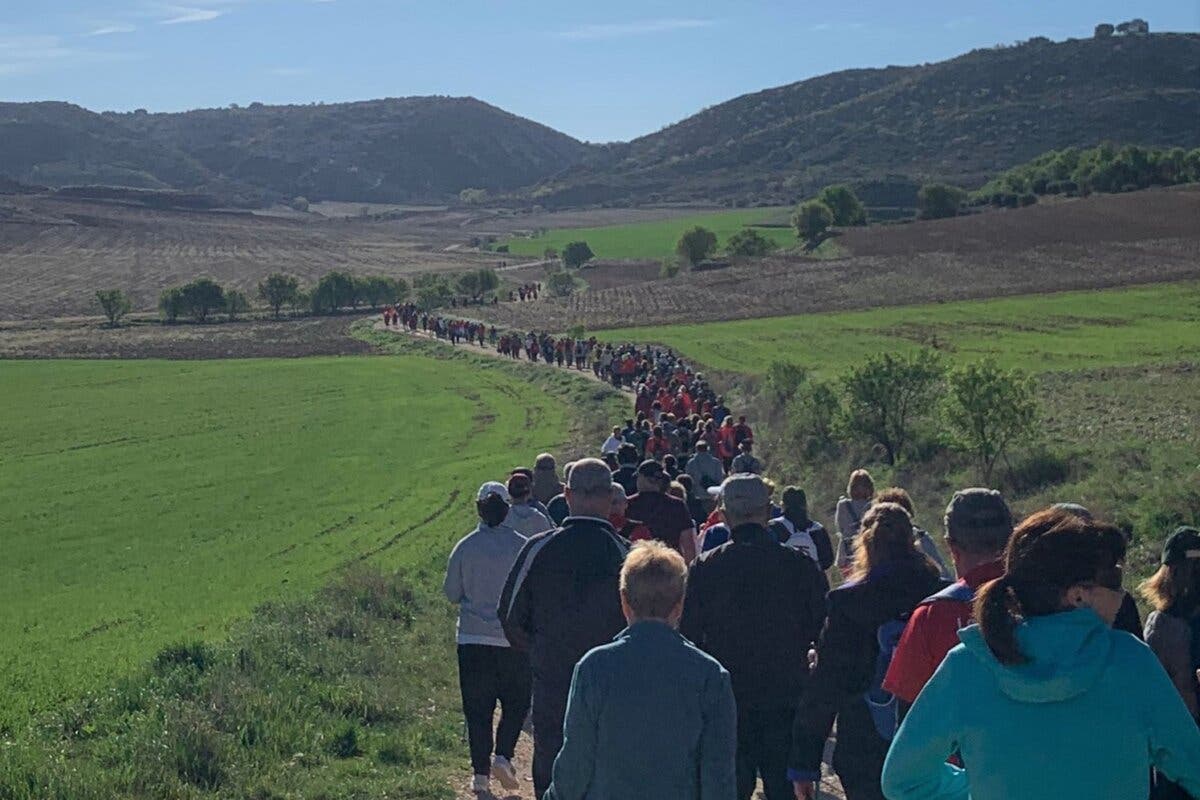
{"x": 1088, "y": 716}
{"x": 650, "y": 715}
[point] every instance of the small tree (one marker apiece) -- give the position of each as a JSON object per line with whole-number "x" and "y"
{"x": 749, "y": 243}
{"x": 549, "y": 254}
{"x": 376, "y": 290}
{"x": 170, "y": 303}
{"x": 279, "y": 290}
{"x": 783, "y": 379}
{"x": 202, "y": 297}
{"x": 844, "y": 203}
{"x": 561, "y": 284}
{"x": 940, "y": 201}
{"x": 236, "y": 303}
{"x": 115, "y": 304}
{"x": 812, "y": 415}
{"x": 988, "y": 409}
{"x": 1104, "y": 30}
{"x": 887, "y": 394}
{"x": 299, "y": 204}
{"x": 576, "y": 254}
{"x": 333, "y": 291}
{"x": 696, "y": 244}
{"x": 812, "y": 220}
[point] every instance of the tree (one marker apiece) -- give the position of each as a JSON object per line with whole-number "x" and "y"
{"x": 576, "y": 254}
{"x": 812, "y": 220}
{"x": 887, "y": 394}
{"x": 749, "y": 243}
{"x": 201, "y": 297}
{"x": 170, "y": 303}
{"x": 844, "y": 203}
{"x": 988, "y": 409}
{"x": 1104, "y": 30}
{"x": 939, "y": 201}
{"x": 333, "y": 291}
{"x": 549, "y": 254}
{"x": 236, "y": 303}
{"x": 561, "y": 284}
{"x": 696, "y": 244}
{"x": 278, "y": 290}
{"x": 299, "y": 204}
{"x": 115, "y": 304}
{"x": 377, "y": 290}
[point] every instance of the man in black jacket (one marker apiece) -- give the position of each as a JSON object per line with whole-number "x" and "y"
{"x": 562, "y": 599}
{"x": 756, "y": 606}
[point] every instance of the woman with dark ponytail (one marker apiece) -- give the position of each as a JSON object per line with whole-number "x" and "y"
{"x": 1043, "y": 700}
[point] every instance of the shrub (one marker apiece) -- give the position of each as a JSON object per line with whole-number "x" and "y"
{"x": 989, "y": 409}
{"x": 812, "y": 415}
{"x": 939, "y": 201}
{"x": 696, "y": 244}
{"x": 333, "y": 291}
{"x": 196, "y": 655}
{"x": 1038, "y": 469}
{"x": 561, "y": 284}
{"x": 669, "y": 267}
{"x": 236, "y": 303}
{"x": 278, "y": 290}
{"x": 299, "y": 204}
{"x": 783, "y": 379}
{"x": 115, "y": 304}
{"x": 344, "y": 742}
{"x": 576, "y": 254}
{"x": 749, "y": 243}
{"x": 812, "y": 220}
{"x": 887, "y": 394}
{"x": 170, "y": 303}
{"x": 202, "y": 297}
{"x": 844, "y": 203}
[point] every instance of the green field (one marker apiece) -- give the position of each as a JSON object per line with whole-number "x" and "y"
{"x": 1041, "y": 333}
{"x": 653, "y": 240}
{"x": 145, "y": 503}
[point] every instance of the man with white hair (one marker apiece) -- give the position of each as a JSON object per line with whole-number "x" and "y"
{"x": 561, "y": 599}
{"x": 756, "y": 606}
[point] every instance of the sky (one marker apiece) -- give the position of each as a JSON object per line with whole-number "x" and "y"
{"x": 598, "y": 71}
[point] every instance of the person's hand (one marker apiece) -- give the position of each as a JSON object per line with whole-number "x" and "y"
{"x": 805, "y": 790}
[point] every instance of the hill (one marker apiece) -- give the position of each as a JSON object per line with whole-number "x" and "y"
{"x": 961, "y": 120}
{"x": 393, "y": 150}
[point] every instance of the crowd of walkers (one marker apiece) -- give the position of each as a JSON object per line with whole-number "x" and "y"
{"x": 670, "y": 625}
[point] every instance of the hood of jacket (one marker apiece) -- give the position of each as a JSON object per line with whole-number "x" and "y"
{"x": 1067, "y": 652}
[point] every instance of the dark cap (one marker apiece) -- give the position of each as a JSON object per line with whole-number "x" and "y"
{"x": 519, "y": 484}
{"x": 651, "y": 469}
{"x": 1181, "y": 545}
{"x": 978, "y": 520}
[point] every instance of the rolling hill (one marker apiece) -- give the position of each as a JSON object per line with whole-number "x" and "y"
{"x": 960, "y": 120}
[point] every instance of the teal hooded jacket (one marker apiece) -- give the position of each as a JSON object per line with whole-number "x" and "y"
{"x": 1086, "y": 717}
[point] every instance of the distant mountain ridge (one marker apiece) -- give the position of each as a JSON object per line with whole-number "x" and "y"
{"x": 963, "y": 120}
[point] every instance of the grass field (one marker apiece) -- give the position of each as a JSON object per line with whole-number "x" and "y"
{"x": 1068, "y": 331}
{"x": 654, "y": 240}
{"x": 144, "y": 503}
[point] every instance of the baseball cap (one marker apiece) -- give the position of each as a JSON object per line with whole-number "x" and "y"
{"x": 745, "y": 494}
{"x": 979, "y": 520}
{"x": 651, "y": 469}
{"x": 493, "y": 488}
{"x": 1181, "y": 545}
{"x": 519, "y": 484}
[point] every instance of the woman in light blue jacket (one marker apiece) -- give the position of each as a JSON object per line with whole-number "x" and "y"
{"x": 1043, "y": 700}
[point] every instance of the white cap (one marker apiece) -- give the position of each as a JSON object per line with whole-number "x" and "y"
{"x": 493, "y": 487}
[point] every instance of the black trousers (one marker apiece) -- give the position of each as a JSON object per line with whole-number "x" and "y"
{"x": 487, "y": 675}
{"x": 549, "y": 710}
{"x": 764, "y": 737}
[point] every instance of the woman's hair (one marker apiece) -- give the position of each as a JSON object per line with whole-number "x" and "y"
{"x": 898, "y": 496}
{"x": 887, "y": 538}
{"x": 675, "y": 489}
{"x": 653, "y": 580}
{"x": 1048, "y": 553}
{"x": 1174, "y": 586}
{"x": 860, "y": 483}
{"x": 492, "y": 510}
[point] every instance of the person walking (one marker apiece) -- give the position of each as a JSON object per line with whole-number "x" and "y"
{"x": 706, "y": 471}
{"x": 626, "y": 472}
{"x": 489, "y": 670}
{"x": 613, "y": 443}
{"x": 745, "y": 462}
{"x": 1173, "y": 628}
{"x": 978, "y": 526}
{"x": 1043, "y": 699}
{"x": 631, "y": 529}
{"x": 800, "y": 532}
{"x": 889, "y": 578}
{"x": 545, "y": 478}
{"x": 524, "y": 517}
{"x": 851, "y": 509}
{"x": 925, "y": 542}
{"x": 561, "y": 599}
{"x": 649, "y": 714}
{"x": 666, "y": 516}
{"x": 757, "y": 607}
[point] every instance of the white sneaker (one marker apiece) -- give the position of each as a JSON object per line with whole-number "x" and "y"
{"x": 503, "y": 771}
{"x": 479, "y": 783}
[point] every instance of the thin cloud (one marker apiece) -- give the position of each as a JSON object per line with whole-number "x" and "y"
{"x": 291, "y": 72}
{"x": 183, "y": 16}
{"x": 825, "y": 27}
{"x": 617, "y": 30}
{"x": 109, "y": 30}
{"x": 20, "y": 55}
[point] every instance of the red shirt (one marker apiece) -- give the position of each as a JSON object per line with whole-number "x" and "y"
{"x": 931, "y": 633}
{"x": 667, "y": 517}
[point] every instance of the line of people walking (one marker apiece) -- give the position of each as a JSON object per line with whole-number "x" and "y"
{"x": 666, "y": 657}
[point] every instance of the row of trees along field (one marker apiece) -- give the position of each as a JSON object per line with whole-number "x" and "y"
{"x": 203, "y": 299}
{"x": 908, "y": 406}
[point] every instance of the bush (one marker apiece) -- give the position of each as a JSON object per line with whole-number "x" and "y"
{"x": 202, "y": 297}
{"x": 988, "y": 409}
{"x": 299, "y": 204}
{"x": 812, "y": 220}
{"x": 696, "y": 244}
{"x": 115, "y": 304}
{"x": 561, "y": 284}
{"x": 335, "y": 290}
{"x": 749, "y": 243}
{"x": 939, "y": 201}
{"x": 170, "y": 303}
{"x": 844, "y": 203}
{"x": 783, "y": 379}
{"x": 812, "y": 415}
{"x": 669, "y": 267}
{"x": 278, "y": 290}
{"x": 236, "y": 303}
{"x": 576, "y": 254}
{"x": 887, "y": 395}
{"x": 1038, "y": 469}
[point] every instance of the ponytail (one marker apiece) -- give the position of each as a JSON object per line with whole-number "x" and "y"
{"x": 996, "y": 610}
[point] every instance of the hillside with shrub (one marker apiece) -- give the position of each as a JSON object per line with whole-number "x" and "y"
{"x": 961, "y": 121}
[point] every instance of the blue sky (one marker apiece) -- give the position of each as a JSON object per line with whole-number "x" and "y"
{"x": 598, "y": 71}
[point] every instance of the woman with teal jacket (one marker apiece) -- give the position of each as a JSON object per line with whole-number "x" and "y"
{"x": 1043, "y": 700}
